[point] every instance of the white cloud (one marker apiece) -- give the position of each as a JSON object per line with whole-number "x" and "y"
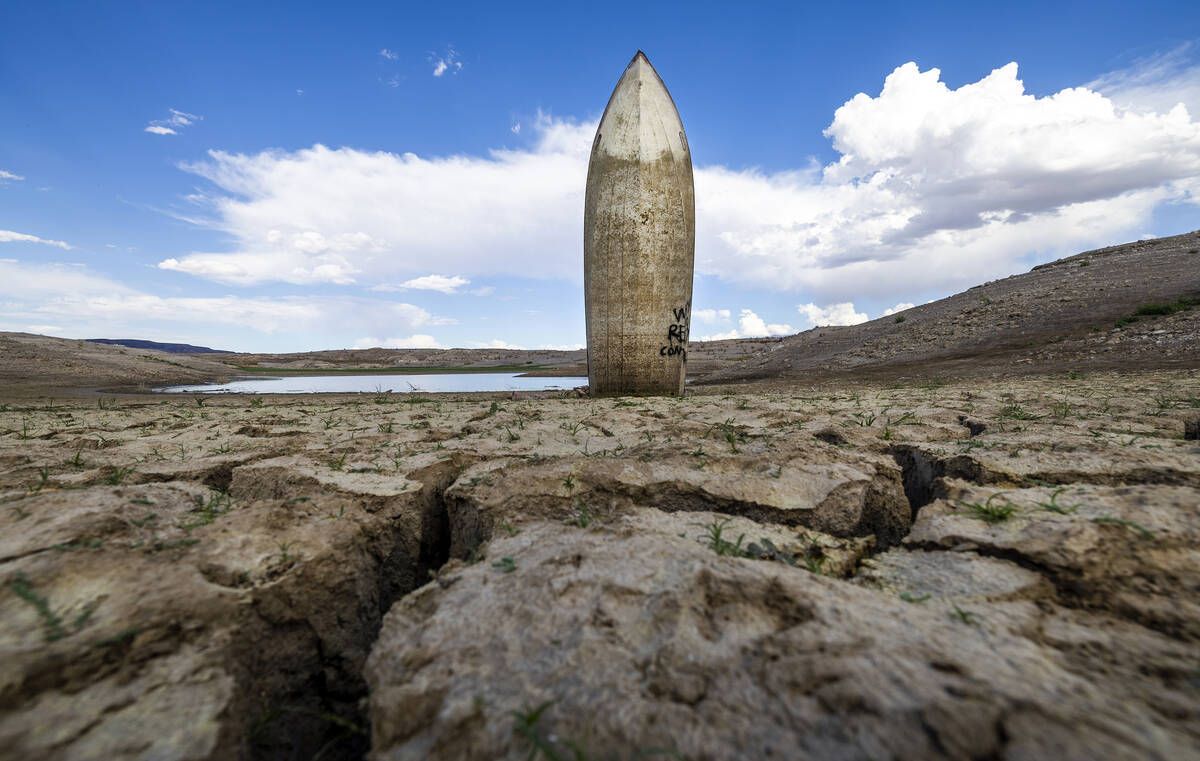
{"x": 8, "y": 236}
{"x": 487, "y": 290}
{"x": 415, "y": 341}
{"x": 342, "y": 216}
{"x": 1155, "y": 83}
{"x": 388, "y": 54}
{"x": 935, "y": 189}
{"x": 74, "y": 297}
{"x": 710, "y": 315}
{"x": 562, "y": 347}
{"x": 168, "y": 126}
{"x": 516, "y": 128}
{"x": 495, "y": 344}
{"x": 439, "y": 283}
{"x": 7, "y": 176}
{"x": 834, "y": 314}
{"x": 44, "y": 329}
{"x": 898, "y": 308}
{"x": 750, "y": 325}
{"x": 316, "y": 258}
{"x": 446, "y": 62}
{"x": 940, "y": 188}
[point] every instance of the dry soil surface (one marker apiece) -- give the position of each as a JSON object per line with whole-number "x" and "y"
{"x": 994, "y": 569}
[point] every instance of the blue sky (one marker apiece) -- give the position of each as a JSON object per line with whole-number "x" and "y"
{"x": 292, "y": 177}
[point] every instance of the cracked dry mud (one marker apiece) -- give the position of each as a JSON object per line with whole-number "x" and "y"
{"x": 999, "y": 569}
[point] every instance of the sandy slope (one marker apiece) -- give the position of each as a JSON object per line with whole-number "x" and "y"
{"x": 1059, "y": 316}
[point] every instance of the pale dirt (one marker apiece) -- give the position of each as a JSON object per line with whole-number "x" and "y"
{"x": 234, "y": 561}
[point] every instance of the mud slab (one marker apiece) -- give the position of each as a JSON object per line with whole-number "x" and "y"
{"x": 1002, "y": 569}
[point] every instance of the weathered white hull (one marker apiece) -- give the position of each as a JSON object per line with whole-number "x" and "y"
{"x": 639, "y": 240}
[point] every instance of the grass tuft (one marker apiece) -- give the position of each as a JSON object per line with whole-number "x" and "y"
{"x": 714, "y": 539}
{"x": 1141, "y": 530}
{"x": 50, "y": 620}
{"x": 989, "y": 513}
{"x": 965, "y": 616}
{"x": 1053, "y": 506}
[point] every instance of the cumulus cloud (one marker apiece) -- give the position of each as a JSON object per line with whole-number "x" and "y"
{"x": 934, "y": 189}
{"x": 898, "y": 308}
{"x": 8, "y": 236}
{"x": 415, "y": 341}
{"x": 170, "y": 126}
{"x": 965, "y": 158}
{"x": 439, "y": 283}
{"x": 342, "y": 215}
{"x": 750, "y": 325}
{"x": 834, "y": 314}
{"x": 388, "y": 54}
{"x": 9, "y": 176}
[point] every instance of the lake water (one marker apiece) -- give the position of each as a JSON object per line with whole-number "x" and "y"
{"x": 328, "y": 384}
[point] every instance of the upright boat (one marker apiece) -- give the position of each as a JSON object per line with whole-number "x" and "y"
{"x": 639, "y": 240}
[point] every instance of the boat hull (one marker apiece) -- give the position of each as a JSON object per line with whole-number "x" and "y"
{"x": 639, "y": 241}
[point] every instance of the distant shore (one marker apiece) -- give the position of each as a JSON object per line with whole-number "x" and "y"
{"x": 528, "y": 371}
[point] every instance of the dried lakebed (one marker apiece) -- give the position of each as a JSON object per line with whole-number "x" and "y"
{"x": 1005, "y": 569}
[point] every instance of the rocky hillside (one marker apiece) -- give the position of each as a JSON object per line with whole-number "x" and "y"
{"x": 703, "y": 358}
{"x": 1105, "y": 309}
{"x": 33, "y": 364}
{"x": 169, "y": 348}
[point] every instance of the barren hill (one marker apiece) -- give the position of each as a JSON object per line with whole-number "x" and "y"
{"x": 1059, "y": 316}
{"x": 703, "y": 358}
{"x": 31, "y": 364}
{"x": 1123, "y": 307}
{"x": 169, "y": 348}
